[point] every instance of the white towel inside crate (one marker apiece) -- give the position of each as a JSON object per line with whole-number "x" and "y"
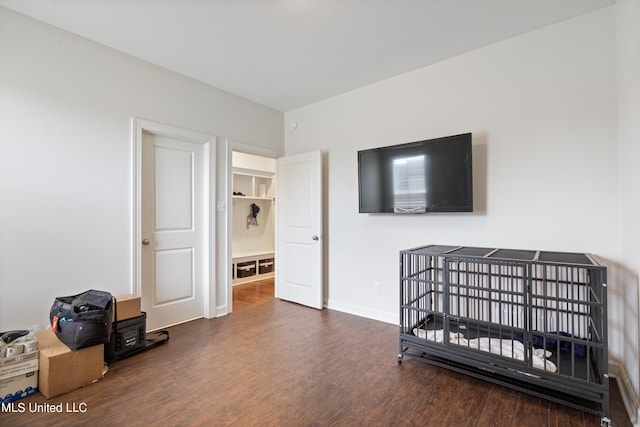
{"x": 437, "y": 335}
{"x": 513, "y": 349}
{"x": 507, "y": 348}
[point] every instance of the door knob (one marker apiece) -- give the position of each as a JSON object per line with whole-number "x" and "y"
{"x": 145, "y": 242}
{"x": 315, "y": 237}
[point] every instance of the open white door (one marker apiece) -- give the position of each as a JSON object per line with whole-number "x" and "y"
{"x": 299, "y": 229}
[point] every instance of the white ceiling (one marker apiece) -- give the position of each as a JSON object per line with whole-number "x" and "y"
{"x": 289, "y": 53}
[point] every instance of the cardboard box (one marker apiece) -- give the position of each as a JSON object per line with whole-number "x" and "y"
{"x": 18, "y": 376}
{"x": 20, "y": 364}
{"x": 63, "y": 370}
{"x": 127, "y": 307}
{"x": 19, "y": 386}
{"x": 18, "y": 358}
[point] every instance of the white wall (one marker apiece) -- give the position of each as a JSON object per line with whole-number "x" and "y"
{"x": 628, "y": 266}
{"x": 554, "y": 116}
{"x": 65, "y": 158}
{"x": 541, "y": 108}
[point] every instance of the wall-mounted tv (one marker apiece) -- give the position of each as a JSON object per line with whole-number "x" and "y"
{"x": 425, "y": 176}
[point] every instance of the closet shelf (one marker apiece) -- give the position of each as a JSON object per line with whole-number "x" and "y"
{"x": 252, "y": 198}
{"x": 250, "y": 266}
{"x": 252, "y": 254}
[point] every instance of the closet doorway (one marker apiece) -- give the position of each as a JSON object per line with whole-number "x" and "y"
{"x": 297, "y": 218}
{"x": 253, "y": 228}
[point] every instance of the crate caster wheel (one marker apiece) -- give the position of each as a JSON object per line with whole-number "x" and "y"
{"x": 399, "y": 359}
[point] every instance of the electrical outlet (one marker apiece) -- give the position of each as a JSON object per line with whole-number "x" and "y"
{"x": 377, "y": 287}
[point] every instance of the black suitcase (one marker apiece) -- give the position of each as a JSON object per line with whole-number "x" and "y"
{"x": 127, "y": 337}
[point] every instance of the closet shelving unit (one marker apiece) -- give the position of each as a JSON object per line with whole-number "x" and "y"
{"x": 253, "y": 246}
{"x": 252, "y": 184}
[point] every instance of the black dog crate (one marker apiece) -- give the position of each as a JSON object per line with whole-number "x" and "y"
{"x": 535, "y": 321}
{"x": 127, "y": 337}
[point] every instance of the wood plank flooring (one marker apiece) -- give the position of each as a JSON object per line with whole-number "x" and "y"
{"x": 274, "y": 363}
{"x": 253, "y": 292}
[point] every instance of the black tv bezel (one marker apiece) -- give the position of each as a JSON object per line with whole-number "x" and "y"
{"x": 468, "y": 207}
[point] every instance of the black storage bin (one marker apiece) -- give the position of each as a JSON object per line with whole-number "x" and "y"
{"x": 265, "y": 266}
{"x": 127, "y": 337}
{"x": 82, "y": 320}
{"x": 246, "y": 269}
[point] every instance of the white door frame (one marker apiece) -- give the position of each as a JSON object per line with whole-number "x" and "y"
{"x": 230, "y": 147}
{"x": 208, "y": 233}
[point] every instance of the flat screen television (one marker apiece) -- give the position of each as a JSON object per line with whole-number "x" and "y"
{"x": 425, "y": 176}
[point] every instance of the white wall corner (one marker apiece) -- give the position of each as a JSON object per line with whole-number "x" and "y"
{"x": 629, "y": 397}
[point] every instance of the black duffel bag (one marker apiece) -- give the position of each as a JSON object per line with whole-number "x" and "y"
{"x": 82, "y": 320}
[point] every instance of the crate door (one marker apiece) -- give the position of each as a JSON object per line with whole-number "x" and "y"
{"x": 486, "y": 305}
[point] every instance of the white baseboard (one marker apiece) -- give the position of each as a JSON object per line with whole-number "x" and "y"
{"x": 382, "y": 316}
{"x": 221, "y": 310}
{"x": 629, "y": 397}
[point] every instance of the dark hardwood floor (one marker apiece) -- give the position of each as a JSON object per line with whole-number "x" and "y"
{"x": 275, "y": 363}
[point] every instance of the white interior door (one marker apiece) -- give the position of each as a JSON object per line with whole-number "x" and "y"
{"x": 299, "y": 229}
{"x": 172, "y": 254}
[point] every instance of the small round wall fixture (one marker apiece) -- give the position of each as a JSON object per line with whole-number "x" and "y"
{"x": 294, "y": 125}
